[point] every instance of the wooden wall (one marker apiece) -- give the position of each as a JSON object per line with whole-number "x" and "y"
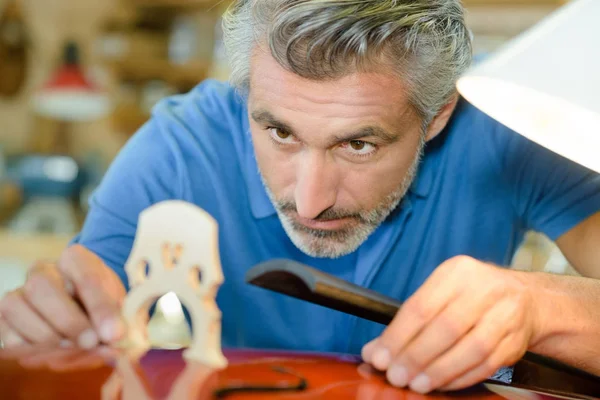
{"x": 49, "y": 24}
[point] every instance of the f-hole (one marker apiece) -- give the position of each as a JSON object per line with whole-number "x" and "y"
{"x": 196, "y": 276}
{"x": 143, "y": 271}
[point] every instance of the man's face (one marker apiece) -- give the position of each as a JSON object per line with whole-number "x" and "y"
{"x": 336, "y": 157}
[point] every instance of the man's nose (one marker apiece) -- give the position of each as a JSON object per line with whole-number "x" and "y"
{"x": 316, "y": 185}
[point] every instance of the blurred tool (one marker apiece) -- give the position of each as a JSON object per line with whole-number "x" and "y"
{"x": 52, "y": 180}
{"x": 70, "y": 95}
{"x": 13, "y": 49}
{"x": 50, "y": 184}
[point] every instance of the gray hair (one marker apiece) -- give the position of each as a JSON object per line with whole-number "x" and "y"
{"x": 425, "y": 42}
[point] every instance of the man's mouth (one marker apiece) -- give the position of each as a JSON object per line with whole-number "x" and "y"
{"x": 326, "y": 225}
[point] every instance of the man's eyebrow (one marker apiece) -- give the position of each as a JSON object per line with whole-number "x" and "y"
{"x": 385, "y": 136}
{"x": 266, "y": 118}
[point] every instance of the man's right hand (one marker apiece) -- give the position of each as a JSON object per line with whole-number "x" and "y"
{"x": 77, "y": 300}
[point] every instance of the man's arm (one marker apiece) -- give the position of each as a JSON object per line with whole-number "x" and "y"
{"x": 568, "y": 310}
{"x": 581, "y": 247}
{"x": 471, "y": 318}
{"x": 570, "y": 306}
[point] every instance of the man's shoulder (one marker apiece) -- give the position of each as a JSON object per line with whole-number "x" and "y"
{"x": 198, "y": 132}
{"x": 210, "y": 119}
{"x": 210, "y": 99}
{"x": 475, "y": 125}
{"x": 478, "y": 128}
{"x": 474, "y": 140}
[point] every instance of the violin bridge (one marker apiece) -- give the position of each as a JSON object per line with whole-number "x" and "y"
{"x": 176, "y": 250}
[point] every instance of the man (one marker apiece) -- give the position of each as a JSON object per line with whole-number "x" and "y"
{"x": 342, "y": 144}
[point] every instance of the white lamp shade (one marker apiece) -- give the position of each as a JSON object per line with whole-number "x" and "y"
{"x": 545, "y": 84}
{"x": 72, "y": 105}
{"x": 70, "y": 96}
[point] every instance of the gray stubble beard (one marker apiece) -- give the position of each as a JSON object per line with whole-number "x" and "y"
{"x": 335, "y": 244}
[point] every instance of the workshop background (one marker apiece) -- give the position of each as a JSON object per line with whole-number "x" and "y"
{"x": 126, "y": 55}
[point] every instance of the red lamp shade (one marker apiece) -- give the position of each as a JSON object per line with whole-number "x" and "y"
{"x": 69, "y": 95}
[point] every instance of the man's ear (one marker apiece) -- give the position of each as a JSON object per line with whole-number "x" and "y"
{"x": 441, "y": 119}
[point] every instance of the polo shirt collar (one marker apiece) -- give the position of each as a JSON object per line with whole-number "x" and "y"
{"x": 421, "y": 186}
{"x": 259, "y": 200}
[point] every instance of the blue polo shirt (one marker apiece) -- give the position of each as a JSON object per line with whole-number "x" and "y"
{"x": 479, "y": 189}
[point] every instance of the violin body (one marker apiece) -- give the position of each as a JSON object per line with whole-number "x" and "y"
{"x": 111, "y": 374}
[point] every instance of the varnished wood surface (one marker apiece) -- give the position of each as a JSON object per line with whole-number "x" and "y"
{"x": 61, "y": 374}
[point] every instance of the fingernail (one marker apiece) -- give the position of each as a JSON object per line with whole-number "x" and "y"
{"x": 398, "y": 376}
{"x": 381, "y": 358}
{"x": 65, "y": 343}
{"x": 108, "y": 330}
{"x": 421, "y": 384}
{"x": 367, "y": 351}
{"x": 88, "y": 339}
{"x": 112, "y": 330}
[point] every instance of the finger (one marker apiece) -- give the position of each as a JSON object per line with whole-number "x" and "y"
{"x": 83, "y": 361}
{"x": 368, "y": 349}
{"x": 25, "y": 321}
{"x": 45, "y": 356}
{"x": 446, "y": 330}
{"x": 45, "y": 291}
{"x": 9, "y": 338}
{"x": 59, "y": 279}
{"x": 431, "y": 299}
{"x": 471, "y": 351}
{"x": 99, "y": 289}
{"x": 505, "y": 354}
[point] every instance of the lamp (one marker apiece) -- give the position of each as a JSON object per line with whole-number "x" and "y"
{"x": 545, "y": 84}
{"x": 52, "y": 178}
{"x": 69, "y": 95}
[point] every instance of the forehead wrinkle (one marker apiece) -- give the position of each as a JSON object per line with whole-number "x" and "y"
{"x": 341, "y": 95}
{"x": 352, "y": 108}
{"x": 369, "y": 114}
{"x": 327, "y": 103}
{"x": 285, "y": 84}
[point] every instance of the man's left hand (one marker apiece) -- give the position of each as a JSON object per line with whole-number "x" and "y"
{"x": 466, "y": 321}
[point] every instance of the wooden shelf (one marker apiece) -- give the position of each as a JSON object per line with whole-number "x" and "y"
{"x": 27, "y": 248}
{"x": 211, "y": 3}
{"x": 515, "y": 3}
{"x": 176, "y": 3}
{"x": 128, "y": 118}
{"x": 141, "y": 70}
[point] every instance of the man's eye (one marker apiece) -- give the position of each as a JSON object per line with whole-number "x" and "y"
{"x": 280, "y": 136}
{"x": 360, "y": 148}
{"x": 357, "y": 145}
